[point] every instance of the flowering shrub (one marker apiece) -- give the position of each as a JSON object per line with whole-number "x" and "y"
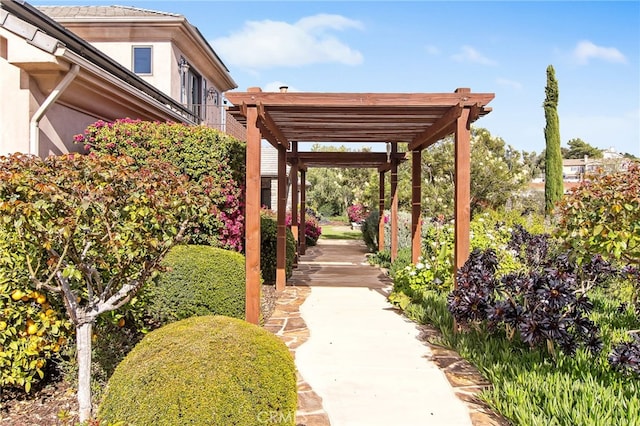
{"x": 208, "y": 156}
{"x": 312, "y": 229}
{"x": 356, "y": 213}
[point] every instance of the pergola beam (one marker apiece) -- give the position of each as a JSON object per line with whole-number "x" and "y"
{"x": 437, "y": 130}
{"x": 272, "y": 127}
{"x": 345, "y": 159}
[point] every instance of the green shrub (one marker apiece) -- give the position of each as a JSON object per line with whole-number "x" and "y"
{"x": 269, "y": 245}
{"x": 208, "y": 156}
{"x": 369, "y": 228}
{"x": 210, "y": 370}
{"x": 199, "y": 280}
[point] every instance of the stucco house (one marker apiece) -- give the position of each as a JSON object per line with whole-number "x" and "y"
{"x": 63, "y": 68}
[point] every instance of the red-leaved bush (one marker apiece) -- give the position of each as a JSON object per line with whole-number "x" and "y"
{"x": 213, "y": 159}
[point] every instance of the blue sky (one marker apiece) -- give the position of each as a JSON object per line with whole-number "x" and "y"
{"x": 503, "y": 47}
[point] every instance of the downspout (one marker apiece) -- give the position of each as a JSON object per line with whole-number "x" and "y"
{"x": 34, "y": 129}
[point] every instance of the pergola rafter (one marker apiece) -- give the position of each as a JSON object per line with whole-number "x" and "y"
{"x": 416, "y": 119}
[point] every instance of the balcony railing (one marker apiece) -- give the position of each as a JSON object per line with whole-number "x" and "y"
{"x": 217, "y": 117}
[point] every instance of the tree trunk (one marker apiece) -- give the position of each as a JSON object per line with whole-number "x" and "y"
{"x": 83, "y": 347}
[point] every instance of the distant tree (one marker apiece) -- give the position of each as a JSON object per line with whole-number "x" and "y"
{"x": 333, "y": 189}
{"x": 533, "y": 163}
{"x": 553, "y": 186}
{"x": 579, "y": 149}
{"x": 497, "y": 172}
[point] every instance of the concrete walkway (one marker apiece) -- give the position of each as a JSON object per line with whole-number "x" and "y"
{"x": 360, "y": 362}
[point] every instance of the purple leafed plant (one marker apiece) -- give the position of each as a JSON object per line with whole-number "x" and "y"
{"x": 543, "y": 305}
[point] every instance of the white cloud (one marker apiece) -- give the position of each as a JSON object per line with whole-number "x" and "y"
{"x": 432, "y": 50}
{"x": 586, "y": 50}
{"x": 509, "y": 83}
{"x": 267, "y": 44}
{"x": 469, "y": 54}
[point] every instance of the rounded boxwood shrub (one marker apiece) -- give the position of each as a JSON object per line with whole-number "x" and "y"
{"x": 269, "y": 245}
{"x": 199, "y": 280}
{"x": 210, "y": 370}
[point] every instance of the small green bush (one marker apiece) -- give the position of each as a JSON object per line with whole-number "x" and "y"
{"x": 199, "y": 280}
{"x": 269, "y": 245}
{"x": 369, "y": 230}
{"x": 210, "y": 370}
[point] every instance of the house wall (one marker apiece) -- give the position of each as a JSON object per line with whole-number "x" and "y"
{"x": 14, "y": 115}
{"x": 162, "y": 66}
{"x": 58, "y": 127}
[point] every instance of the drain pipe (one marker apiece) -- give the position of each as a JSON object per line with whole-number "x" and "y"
{"x": 34, "y": 129}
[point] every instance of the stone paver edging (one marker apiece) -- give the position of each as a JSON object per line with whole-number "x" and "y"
{"x": 286, "y": 323}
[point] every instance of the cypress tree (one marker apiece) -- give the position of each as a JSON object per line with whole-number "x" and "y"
{"x": 553, "y": 186}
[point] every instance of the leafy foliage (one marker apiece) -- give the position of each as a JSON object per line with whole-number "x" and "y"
{"x": 530, "y": 388}
{"x": 31, "y": 333}
{"x": 269, "y": 247}
{"x": 209, "y": 370}
{"x": 545, "y": 305}
{"x": 93, "y": 229}
{"x": 579, "y": 149}
{"x": 625, "y": 357}
{"x": 553, "y": 185}
{"x": 198, "y": 280}
{"x": 602, "y": 215}
{"x": 212, "y": 158}
{"x": 333, "y": 190}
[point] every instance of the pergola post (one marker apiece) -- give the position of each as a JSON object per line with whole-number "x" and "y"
{"x": 381, "y": 215}
{"x": 252, "y": 218}
{"x": 303, "y": 209}
{"x": 394, "y": 203}
{"x": 416, "y": 204}
{"x": 462, "y": 189}
{"x": 281, "y": 248}
{"x": 294, "y": 198}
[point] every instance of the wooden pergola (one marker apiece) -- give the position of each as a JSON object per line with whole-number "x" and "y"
{"x": 286, "y": 118}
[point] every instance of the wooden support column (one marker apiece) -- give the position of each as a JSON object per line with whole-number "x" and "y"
{"x": 462, "y": 189}
{"x": 281, "y": 248}
{"x": 394, "y": 203}
{"x": 381, "y": 215}
{"x": 252, "y": 218}
{"x": 294, "y": 199}
{"x": 416, "y": 205}
{"x": 303, "y": 211}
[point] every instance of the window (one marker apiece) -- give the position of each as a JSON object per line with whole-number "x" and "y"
{"x": 142, "y": 59}
{"x": 265, "y": 193}
{"x": 193, "y": 87}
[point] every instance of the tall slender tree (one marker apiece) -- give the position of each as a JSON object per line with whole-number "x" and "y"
{"x": 553, "y": 186}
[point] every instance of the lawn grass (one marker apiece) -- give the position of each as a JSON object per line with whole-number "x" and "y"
{"x": 532, "y": 388}
{"x": 340, "y": 232}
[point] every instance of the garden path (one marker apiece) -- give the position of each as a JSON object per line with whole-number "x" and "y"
{"x": 360, "y": 362}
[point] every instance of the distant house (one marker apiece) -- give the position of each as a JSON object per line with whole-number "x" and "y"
{"x": 63, "y": 68}
{"x": 577, "y": 169}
